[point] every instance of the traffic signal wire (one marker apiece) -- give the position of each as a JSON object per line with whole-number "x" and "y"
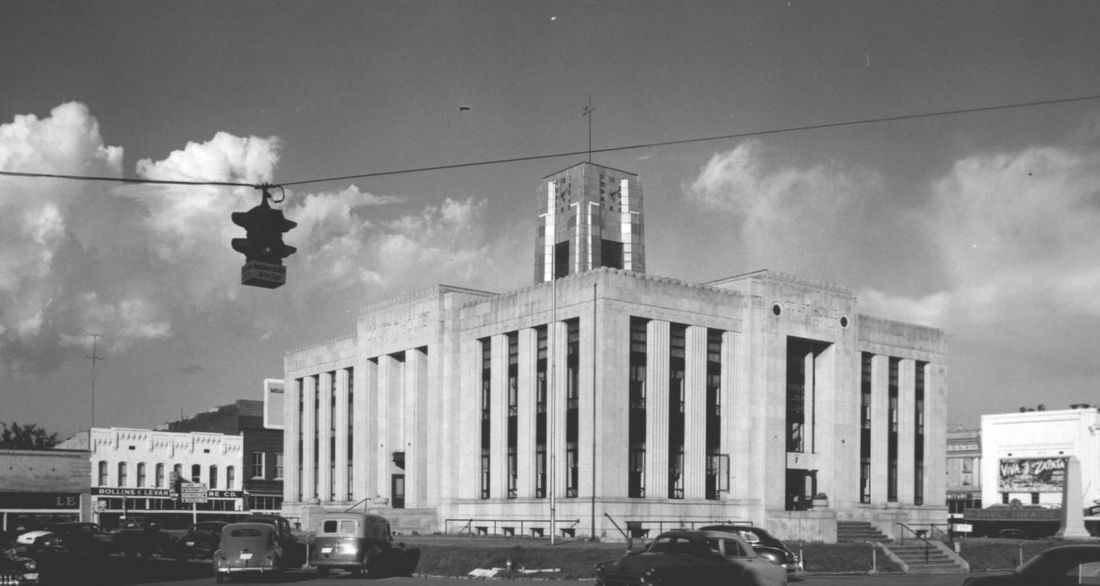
{"x": 790, "y": 129}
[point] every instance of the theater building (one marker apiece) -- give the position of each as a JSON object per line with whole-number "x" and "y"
{"x": 602, "y": 398}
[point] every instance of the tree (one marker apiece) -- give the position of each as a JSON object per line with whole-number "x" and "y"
{"x": 14, "y": 436}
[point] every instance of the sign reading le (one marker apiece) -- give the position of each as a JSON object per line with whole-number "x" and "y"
{"x": 192, "y": 492}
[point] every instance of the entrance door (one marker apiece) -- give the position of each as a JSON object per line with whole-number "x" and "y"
{"x": 397, "y": 489}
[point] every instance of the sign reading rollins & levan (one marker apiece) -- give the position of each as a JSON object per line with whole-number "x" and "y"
{"x": 1032, "y": 475}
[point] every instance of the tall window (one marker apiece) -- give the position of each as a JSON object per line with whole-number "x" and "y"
{"x": 486, "y": 411}
{"x": 213, "y": 477}
{"x": 676, "y": 365}
{"x": 541, "y": 389}
{"x": 159, "y": 480}
{"x": 350, "y": 438}
{"x": 636, "y": 435}
{"x": 196, "y": 473}
{"x": 230, "y": 478}
{"x": 141, "y": 475}
{"x": 865, "y": 428}
{"x": 278, "y": 466}
{"x": 102, "y": 474}
{"x": 259, "y": 462}
{"x": 332, "y": 437}
{"x": 513, "y": 414}
{"x": 122, "y": 474}
{"x": 892, "y": 436}
{"x": 714, "y": 412}
{"x": 918, "y": 434}
{"x": 573, "y": 352}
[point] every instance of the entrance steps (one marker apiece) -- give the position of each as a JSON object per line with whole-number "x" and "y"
{"x": 918, "y": 557}
{"x": 859, "y": 532}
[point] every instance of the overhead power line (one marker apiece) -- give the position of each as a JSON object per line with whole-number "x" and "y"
{"x": 647, "y": 145}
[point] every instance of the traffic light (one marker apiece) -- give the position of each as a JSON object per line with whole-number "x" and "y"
{"x": 263, "y": 246}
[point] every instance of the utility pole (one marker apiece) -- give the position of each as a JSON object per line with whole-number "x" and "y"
{"x": 587, "y": 113}
{"x": 94, "y": 358}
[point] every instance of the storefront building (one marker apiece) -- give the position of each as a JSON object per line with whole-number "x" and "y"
{"x": 131, "y": 473}
{"x": 43, "y": 487}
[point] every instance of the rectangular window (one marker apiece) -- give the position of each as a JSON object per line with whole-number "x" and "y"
{"x": 141, "y": 475}
{"x": 122, "y": 474}
{"x": 213, "y": 477}
{"x": 513, "y": 414}
{"x": 259, "y": 461}
{"x": 676, "y": 420}
{"x": 918, "y": 435}
{"x": 278, "y": 466}
{"x": 159, "y": 476}
{"x": 230, "y": 478}
{"x": 486, "y": 412}
{"x": 572, "y": 426}
{"x": 865, "y": 428}
{"x": 636, "y": 435}
{"x": 892, "y": 436}
{"x": 102, "y": 480}
{"x": 541, "y": 388}
{"x": 714, "y": 412}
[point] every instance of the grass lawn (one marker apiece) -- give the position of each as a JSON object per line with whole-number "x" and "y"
{"x": 452, "y": 555}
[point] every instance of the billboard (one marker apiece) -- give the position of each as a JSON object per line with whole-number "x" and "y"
{"x": 1032, "y": 475}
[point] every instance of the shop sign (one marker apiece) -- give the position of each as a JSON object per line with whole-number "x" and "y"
{"x": 224, "y": 494}
{"x": 131, "y": 492}
{"x": 1032, "y": 475}
{"x": 39, "y": 500}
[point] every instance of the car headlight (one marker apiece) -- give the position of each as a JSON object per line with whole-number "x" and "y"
{"x": 30, "y": 565}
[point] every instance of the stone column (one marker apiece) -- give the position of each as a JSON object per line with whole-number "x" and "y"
{"x": 528, "y": 382}
{"x": 341, "y": 417}
{"x": 365, "y": 385}
{"x": 556, "y": 410}
{"x": 656, "y": 450}
{"x": 324, "y": 438}
{"x": 309, "y": 439}
{"x": 880, "y": 426}
{"x": 1073, "y": 514}
{"x": 498, "y": 417}
{"x": 387, "y": 371}
{"x": 292, "y": 421}
{"x": 907, "y": 429}
{"x": 695, "y": 412}
{"x": 416, "y": 379}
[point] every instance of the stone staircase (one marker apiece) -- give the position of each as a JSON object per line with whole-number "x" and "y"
{"x": 859, "y": 532}
{"x": 918, "y": 557}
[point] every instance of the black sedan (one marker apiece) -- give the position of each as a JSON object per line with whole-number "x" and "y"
{"x": 765, "y": 545}
{"x": 200, "y": 542}
{"x": 14, "y": 568}
{"x": 1057, "y": 566}
{"x": 699, "y": 558}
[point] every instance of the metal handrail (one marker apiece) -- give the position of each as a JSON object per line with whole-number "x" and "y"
{"x": 927, "y": 544}
{"x": 498, "y": 523}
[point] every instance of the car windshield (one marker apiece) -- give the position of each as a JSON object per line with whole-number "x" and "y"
{"x": 672, "y": 544}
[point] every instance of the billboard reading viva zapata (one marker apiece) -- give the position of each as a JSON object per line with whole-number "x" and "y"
{"x": 1032, "y": 475}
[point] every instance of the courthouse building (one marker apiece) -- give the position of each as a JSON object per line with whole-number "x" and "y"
{"x": 602, "y": 398}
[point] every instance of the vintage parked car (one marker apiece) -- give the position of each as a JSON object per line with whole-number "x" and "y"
{"x": 200, "y": 542}
{"x": 248, "y": 548}
{"x": 358, "y": 542}
{"x": 1057, "y": 566}
{"x": 74, "y": 538}
{"x": 14, "y": 568}
{"x": 765, "y": 545}
{"x": 293, "y": 547}
{"x": 137, "y": 535}
{"x": 699, "y": 558}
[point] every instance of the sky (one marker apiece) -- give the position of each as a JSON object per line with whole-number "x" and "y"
{"x": 985, "y": 224}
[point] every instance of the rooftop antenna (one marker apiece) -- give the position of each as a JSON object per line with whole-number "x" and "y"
{"x": 587, "y": 113}
{"x": 94, "y": 358}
